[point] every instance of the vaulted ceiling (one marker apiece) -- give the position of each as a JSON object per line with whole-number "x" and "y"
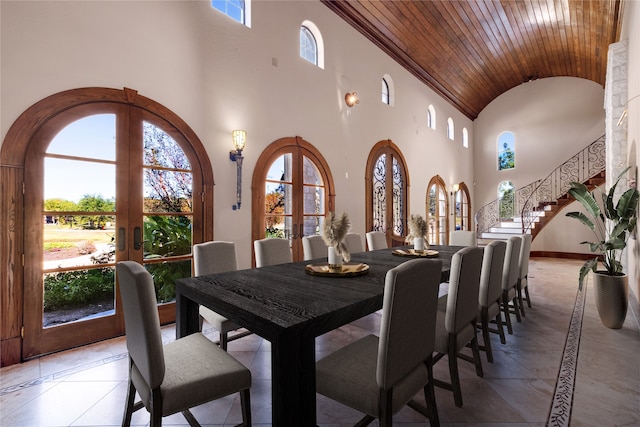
{"x": 472, "y": 51}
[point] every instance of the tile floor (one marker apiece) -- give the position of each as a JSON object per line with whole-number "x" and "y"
{"x": 87, "y": 386}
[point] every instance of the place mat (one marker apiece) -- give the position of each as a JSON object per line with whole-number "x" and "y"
{"x": 345, "y": 270}
{"x": 428, "y": 253}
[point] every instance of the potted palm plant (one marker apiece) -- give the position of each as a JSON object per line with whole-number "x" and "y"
{"x": 612, "y": 224}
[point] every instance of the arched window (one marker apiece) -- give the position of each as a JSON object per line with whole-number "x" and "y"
{"x": 465, "y": 138}
{"x": 437, "y": 208}
{"x": 506, "y": 151}
{"x": 311, "y": 44}
{"x": 292, "y": 192}
{"x": 238, "y": 10}
{"x": 462, "y": 208}
{"x": 431, "y": 117}
{"x": 506, "y": 198}
{"x": 387, "y": 189}
{"x": 450, "y": 129}
{"x": 119, "y": 172}
{"x": 387, "y": 90}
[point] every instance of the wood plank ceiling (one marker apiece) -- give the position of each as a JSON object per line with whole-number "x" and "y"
{"x": 472, "y": 51}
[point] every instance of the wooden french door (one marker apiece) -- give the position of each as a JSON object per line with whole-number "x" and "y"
{"x": 437, "y": 208}
{"x": 105, "y": 182}
{"x": 387, "y": 189}
{"x": 292, "y": 192}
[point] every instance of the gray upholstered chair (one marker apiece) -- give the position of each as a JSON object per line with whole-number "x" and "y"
{"x": 490, "y": 297}
{"x": 462, "y": 238}
{"x": 177, "y": 376}
{"x": 272, "y": 251}
{"x": 376, "y": 240}
{"x": 510, "y": 272}
{"x": 379, "y": 376}
{"x": 314, "y": 247}
{"x": 353, "y": 242}
{"x": 211, "y": 258}
{"x": 523, "y": 278}
{"x": 456, "y": 319}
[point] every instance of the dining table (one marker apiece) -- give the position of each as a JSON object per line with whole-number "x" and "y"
{"x": 290, "y": 307}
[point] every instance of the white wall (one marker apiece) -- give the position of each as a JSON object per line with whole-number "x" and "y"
{"x": 631, "y": 32}
{"x": 218, "y": 75}
{"x": 552, "y": 120}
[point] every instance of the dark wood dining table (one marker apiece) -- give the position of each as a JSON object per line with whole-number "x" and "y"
{"x": 290, "y": 308}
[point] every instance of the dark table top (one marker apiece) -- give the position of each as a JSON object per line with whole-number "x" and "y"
{"x": 273, "y": 299}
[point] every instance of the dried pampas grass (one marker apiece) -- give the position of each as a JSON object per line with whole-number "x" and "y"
{"x": 334, "y": 230}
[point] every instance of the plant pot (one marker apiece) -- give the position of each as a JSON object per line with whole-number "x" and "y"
{"x": 334, "y": 260}
{"x": 612, "y": 298}
{"x": 418, "y": 244}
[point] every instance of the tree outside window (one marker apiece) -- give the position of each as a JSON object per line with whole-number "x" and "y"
{"x": 506, "y": 151}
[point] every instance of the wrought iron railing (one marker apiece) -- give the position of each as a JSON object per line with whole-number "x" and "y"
{"x": 586, "y": 164}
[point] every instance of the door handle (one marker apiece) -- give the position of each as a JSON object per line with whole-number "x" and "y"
{"x": 120, "y": 243}
{"x": 294, "y": 235}
{"x": 137, "y": 238}
{"x": 301, "y": 231}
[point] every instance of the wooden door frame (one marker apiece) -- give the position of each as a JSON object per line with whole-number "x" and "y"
{"x": 266, "y": 158}
{"x": 439, "y": 183}
{"x": 462, "y": 187}
{"x": 12, "y": 161}
{"x": 386, "y": 147}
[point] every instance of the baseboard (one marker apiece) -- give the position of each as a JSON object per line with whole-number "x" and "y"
{"x": 566, "y": 255}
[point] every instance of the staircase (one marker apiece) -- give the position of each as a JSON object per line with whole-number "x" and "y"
{"x": 537, "y": 203}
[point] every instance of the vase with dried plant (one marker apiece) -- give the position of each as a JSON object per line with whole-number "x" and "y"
{"x": 417, "y": 233}
{"x": 334, "y": 230}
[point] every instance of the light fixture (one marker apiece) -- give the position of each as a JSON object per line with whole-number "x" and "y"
{"x": 239, "y": 141}
{"x": 454, "y": 189}
{"x": 624, "y": 110}
{"x": 351, "y": 99}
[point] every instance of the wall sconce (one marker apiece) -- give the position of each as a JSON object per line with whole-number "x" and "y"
{"x": 351, "y": 99}
{"x": 624, "y": 110}
{"x": 454, "y": 189}
{"x": 239, "y": 140}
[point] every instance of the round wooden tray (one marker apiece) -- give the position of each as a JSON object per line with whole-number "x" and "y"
{"x": 345, "y": 270}
{"x": 428, "y": 253}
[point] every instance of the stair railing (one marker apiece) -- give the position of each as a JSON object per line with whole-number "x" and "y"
{"x": 589, "y": 162}
{"x": 584, "y": 165}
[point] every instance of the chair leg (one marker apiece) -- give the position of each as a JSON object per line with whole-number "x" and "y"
{"x": 486, "y": 336}
{"x": 526, "y": 293}
{"x": 224, "y": 340}
{"x": 476, "y": 356}
{"x": 453, "y": 371}
{"x": 128, "y": 410}
{"x": 386, "y": 415}
{"x": 245, "y": 404}
{"x": 156, "y": 408}
{"x": 430, "y": 397}
{"x": 500, "y": 326}
{"x": 507, "y": 316}
{"x": 516, "y": 308}
{"x": 520, "y": 299}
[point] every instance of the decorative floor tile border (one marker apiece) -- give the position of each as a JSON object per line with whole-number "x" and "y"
{"x": 561, "y": 405}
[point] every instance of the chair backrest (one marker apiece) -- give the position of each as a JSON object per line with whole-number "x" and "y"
{"x": 141, "y": 321}
{"x": 525, "y": 252}
{"x": 214, "y": 257}
{"x": 462, "y": 238}
{"x": 272, "y": 252}
{"x": 464, "y": 287}
{"x": 376, "y": 240}
{"x": 510, "y": 270}
{"x": 314, "y": 247}
{"x": 353, "y": 242}
{"x": 491, "y": 274}
{"x": 407, "y": 331}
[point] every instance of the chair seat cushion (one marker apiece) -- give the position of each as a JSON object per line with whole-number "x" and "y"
{"x": 196, "y": 371}
{"x": 349, "y": 376}
{"x": 221, "y": 323}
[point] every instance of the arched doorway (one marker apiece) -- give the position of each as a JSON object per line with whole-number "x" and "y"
{"x": 387, "y": 189}
{"x": 437, "y": 209}
{"x": 150, "y": 164}
{"x": 292, "y": 192}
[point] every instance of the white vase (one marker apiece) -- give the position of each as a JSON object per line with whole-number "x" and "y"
{"x": 333, "y": 258}
{"x": 418, "y": 244}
